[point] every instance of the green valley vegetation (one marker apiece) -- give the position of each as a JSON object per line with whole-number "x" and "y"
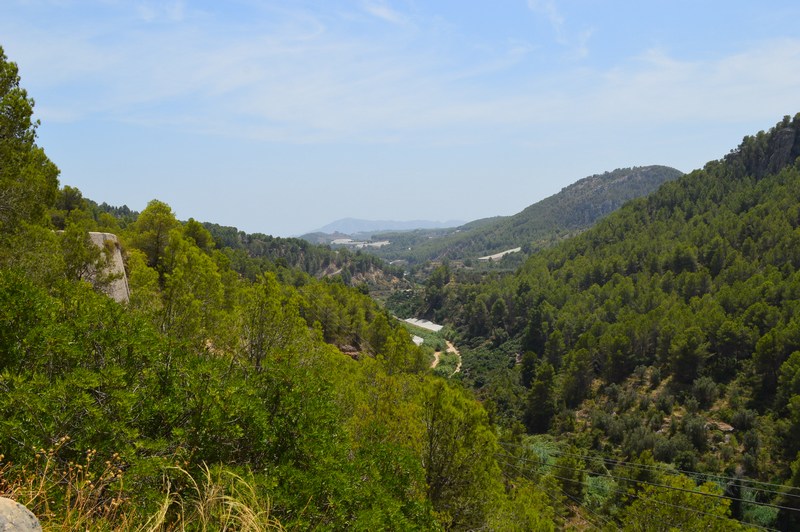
{"x": 443, "y": 355}
{"x": 656, "y": 384}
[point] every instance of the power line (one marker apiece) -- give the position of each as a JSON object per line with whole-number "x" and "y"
{"x": 685, "y": 508}
{"x": 645, "y": 500}
{"x": 688, "y": 509}
{"x": 683, "y": 471}
{"x": 550, "y": 495}
{"x": 717, "y": 496}
{"x": 581, "y": 506}
{"x": 698, "y": 474}
{"x": 556, "y": 502}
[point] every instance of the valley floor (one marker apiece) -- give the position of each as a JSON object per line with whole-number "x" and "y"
{"x": 450, "y": 349}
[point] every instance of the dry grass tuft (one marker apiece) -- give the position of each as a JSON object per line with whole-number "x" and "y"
{"x": 68, "y": 496}
{"x": 221, "y": 500}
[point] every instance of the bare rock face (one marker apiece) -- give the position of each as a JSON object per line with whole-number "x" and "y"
{"x": 117, "y": 289}
{"x": 783, "y": 149}
{"x": 14, "y": 517}
{"x": 768, "y": 153}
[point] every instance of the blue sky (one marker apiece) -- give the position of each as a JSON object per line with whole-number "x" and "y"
{"x": 281, "y": 116}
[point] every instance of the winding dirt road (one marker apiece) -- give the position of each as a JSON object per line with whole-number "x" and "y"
{"x": 450, "y": 349}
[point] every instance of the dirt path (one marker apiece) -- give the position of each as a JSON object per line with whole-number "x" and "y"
{"x": 450, "y": 349}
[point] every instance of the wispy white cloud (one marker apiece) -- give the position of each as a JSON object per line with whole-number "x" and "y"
{"x": 514, "y": 53}
{"x": 444, "y": 93}
{"x": 335, "y": 99}
{"x": 581, "y": 46}
{"x": 549, "y": 9}
{"x": 759, "y": 81}
{"x": 151, "y": 11}
{"x": 301, "y": 78}
{"x": 382, "y": 10}
{"x": 576, "y": 42}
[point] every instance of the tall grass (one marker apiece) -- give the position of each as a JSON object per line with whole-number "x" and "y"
{"x": 69, "y": 496}
{"x": 219, "y": 500}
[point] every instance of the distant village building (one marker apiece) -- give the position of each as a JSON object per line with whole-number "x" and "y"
{"x": 359, "y": 244}
{"x": 498, "y": 256}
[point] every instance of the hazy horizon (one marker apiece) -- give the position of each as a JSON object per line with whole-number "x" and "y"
{"x": 280, "y": 117}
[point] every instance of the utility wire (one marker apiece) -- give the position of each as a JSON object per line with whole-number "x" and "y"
{"x": 714, "y": 495}
{"x": 557, "y": 503}
{"x": 727, "y": 481}
{"x": 677, "y": 506}
{"x": 692, "y": 510}
{"x": 582, "y": 507}
{"x": 683, "y": 471}
{"x": 686, "y": 508}
{"x": 646, "y": 500}
{"x": 698, "y": 474}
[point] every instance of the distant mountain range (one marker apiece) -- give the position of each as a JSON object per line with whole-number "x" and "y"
{"x": 355, "y": 226}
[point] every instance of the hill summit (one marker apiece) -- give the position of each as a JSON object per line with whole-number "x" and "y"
{"x": 570, "y": 211}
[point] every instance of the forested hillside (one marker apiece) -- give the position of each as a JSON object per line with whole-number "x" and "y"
{"x": 668, "y": 332}
{"x": 236, "y": 391}
{"x": 542, "y": 224}
{"x": 353, "y": 268}
{"x": 217, "y": 398}
{"x": 248, "y": 253}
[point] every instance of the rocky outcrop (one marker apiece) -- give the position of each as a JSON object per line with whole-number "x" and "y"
{"x": 118, "y": 288}
{"x": 783, "y": 150}
{"x": 15, "y": 517}
{"x": 767, "y": 153}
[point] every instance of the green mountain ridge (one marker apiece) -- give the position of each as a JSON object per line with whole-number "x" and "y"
{"x": 575, "y": 208}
